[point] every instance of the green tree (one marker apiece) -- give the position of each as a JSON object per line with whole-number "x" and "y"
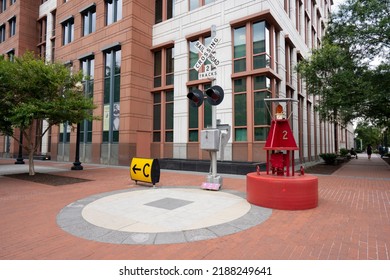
{"x": 32, "y": 91}
{"x": 333, "y": 77}
{"x": 363, "y": 26}
{"x": 350, "y": 72}
{"x": 369, "y": 134}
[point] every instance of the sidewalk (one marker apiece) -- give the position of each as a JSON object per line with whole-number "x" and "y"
{"x": 39, "y": 221}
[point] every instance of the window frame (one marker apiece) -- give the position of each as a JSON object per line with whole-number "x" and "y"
{"x": 114, "y": 16}
{"x": 111, "y": 99}
{"x": 259, "y": 44}
{"x": 164, "y": 10}
{"x": 2, "y": 33}
{"x": 163, "y": 93}
{"x": 88, "y": 15}
{"x": 67, "y": 31}
{"x": 12, "y": 26}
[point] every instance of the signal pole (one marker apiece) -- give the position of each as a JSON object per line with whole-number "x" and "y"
{"x": 210, "y": 138}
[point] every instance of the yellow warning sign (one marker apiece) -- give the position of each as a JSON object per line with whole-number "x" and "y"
{"x": 145, "y": 170}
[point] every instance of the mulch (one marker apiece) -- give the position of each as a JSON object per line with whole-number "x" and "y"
{"x": 387, "y": 159}
{"x": 47, "y": 179}
{"x": 322, "y": 168}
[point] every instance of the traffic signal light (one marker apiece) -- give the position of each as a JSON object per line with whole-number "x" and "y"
{"x": 215, "y": 95}
{"x": 196, "y": 97}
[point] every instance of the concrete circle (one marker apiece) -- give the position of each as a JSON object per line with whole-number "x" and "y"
{"x": 160, "y": 215}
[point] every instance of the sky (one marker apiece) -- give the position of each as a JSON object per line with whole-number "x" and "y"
{"x": 336, "y": 3}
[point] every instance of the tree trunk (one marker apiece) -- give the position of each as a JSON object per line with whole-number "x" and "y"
{"x": 336, "y": 137}
{"x": 31, "y": 169}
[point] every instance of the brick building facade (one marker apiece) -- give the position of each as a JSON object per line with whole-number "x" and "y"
{"x": 140, "y": 57}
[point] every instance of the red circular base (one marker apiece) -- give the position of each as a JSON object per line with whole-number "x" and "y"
{"x": 284, "y": 193}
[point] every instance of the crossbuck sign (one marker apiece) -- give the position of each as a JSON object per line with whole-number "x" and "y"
{"x": 207, "y": 53}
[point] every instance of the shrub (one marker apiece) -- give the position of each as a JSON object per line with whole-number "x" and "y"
{"x": 343, "y": 152}
{"x": 329, "y": 158}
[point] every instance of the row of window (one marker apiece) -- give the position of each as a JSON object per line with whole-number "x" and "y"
{"x": 165, "y": 8}
{"x": 254, "y": 60}
{"x": 3, "y": 4}
{"x": 113, "y": 13}
{"x": 111, "y": 107}
{"x": 11, "y": 29}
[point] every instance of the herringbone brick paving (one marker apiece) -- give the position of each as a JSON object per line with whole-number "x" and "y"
{"x": 352, "y": 220}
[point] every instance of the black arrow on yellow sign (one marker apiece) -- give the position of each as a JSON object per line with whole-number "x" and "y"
{"x": 136, "y": 169}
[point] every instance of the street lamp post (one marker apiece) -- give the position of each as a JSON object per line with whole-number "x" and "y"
{"x": 20, "y": 160}
{"x": 77, "y": 164}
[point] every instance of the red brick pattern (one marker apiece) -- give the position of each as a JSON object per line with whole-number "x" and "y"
{"x": 352, "y": 220}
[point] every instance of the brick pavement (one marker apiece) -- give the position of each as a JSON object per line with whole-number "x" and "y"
{"x": 352, "y": 220}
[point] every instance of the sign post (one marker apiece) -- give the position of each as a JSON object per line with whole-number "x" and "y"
{"x": 214, "y": 181}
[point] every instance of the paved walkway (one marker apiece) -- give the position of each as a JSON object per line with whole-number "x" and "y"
{"x": 109, "y": 217}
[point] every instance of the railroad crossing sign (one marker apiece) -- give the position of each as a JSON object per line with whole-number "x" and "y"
{"x": 207, "y": 53}
{"x": 209, "y": 73}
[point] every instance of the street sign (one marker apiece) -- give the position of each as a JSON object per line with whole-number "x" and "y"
{"x": 208, "y": 75}
{"x": 145, "y": 170}
{"x": 207, "y": 53}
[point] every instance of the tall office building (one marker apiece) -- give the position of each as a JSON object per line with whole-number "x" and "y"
{"x": 141, "y": 56}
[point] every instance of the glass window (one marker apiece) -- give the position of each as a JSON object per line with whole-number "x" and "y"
{"x": 157, "y": 68}
{"x": 169, "y": 105}
{"x": 111, "y": 114}
{"x": 157, "y": 117}
{"x": 11, "y": 55}
{"x": 193, "y": 74}
{"x": 261, "y": 45}
{"x": 169, "y": 64}
{"x": 3, "y": 5}
{"x": 158, "y": 16}
{"x": 89, "y": 20}
{"x": 170, "y": 8}
{"x": 113, "y": 11}
{"x": 262, "y": 87}
{"x": 163, "y": 101}
{"x": 12, "y": 26}
{"x": 164, "y": 10}
{"x": 68, "y": 31}
{"x": 194, "y": 4}
{"x": 2, "y": 33}
{"x": 240, "y": 110}
{"x": 240, "y": 49}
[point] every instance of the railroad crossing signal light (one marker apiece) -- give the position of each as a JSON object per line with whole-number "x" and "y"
{"x": 196, "y": 97}
{"x": 215, "y": 95}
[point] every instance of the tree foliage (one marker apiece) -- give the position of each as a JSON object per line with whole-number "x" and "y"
{"x": 333, "y": 77}
{"x": 363, "y": 26}
{"x": 350, "y": 72}
{"x": 32, "y": 91}
{"x": 368, "y": 133}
